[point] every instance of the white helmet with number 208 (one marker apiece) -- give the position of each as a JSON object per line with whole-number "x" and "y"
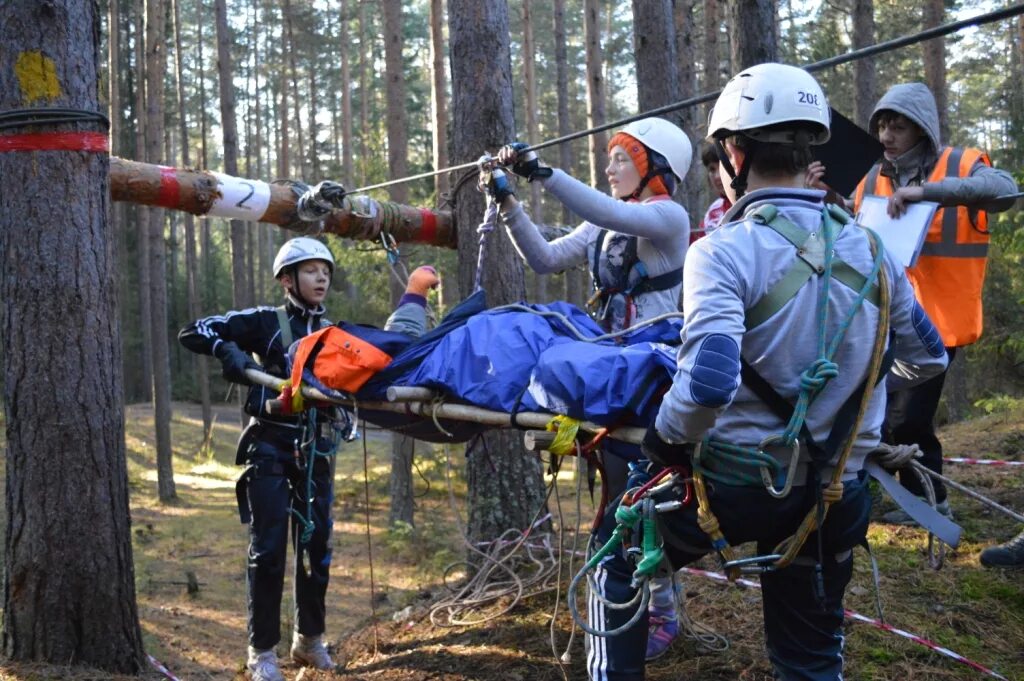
{"x": 764, "y": 96}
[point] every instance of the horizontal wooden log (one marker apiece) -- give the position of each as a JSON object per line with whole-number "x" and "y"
{"x": 210, "y": 194}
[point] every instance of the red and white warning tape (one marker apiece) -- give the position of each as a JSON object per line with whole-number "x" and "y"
{"x": 857, "y": 617}
{"x": 983, "y": 462}
{"x": 160, "y": 668}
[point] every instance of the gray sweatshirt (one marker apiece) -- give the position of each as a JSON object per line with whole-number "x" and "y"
{"x": 977, "y": 190}
{"x": 663, "y": 228}
{"x": 729, "y": 271}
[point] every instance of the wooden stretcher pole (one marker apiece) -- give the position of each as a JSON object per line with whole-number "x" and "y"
{"x": 209, "y": 194}
{"x": 424, "y": 408}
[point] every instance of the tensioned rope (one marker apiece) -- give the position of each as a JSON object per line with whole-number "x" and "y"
{"x": 864, "y": 52}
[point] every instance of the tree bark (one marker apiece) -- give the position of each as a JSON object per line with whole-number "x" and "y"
{"x": 539, "y": 292}
{"x": 865, "y": 80}
{"x": 142, "y": 214}
{"x": 364, "y": 88}
{"x": 712, "y": 75}
{"x": 934, "y": 53}
{"x": 290, "y": 48}
{"x": 228, "y": 125}
{"x": 156, "y": 60}
{"x": 654, "y": 45}
{"x": 344, "y": 39}
{"x": 199, "y": 362}
{"x": 598, "y": 142}
{"x": 402, "y": 447}
{"x": 505, "y": 486}
{"x": 438, "y": 97}
{"x": 574, "y": 283}
{"x": 752, "y": 33}
{"x": 686, "y": 58}
{"x": 69, "y": 577}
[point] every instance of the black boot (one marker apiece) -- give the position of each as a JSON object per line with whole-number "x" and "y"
{"x": 1006, "y": 555}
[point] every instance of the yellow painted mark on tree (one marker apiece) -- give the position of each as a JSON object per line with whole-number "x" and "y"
{"x": 37, "y": 76}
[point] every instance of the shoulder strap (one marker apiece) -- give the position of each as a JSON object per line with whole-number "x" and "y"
{"x": 286, "y": 327}
{"x": 595, "y": 263}
{"x": 810, "y": 261}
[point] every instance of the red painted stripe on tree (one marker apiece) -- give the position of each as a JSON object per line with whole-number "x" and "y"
{"x": 170, "y": 190}
{"x": 429, "y": 228}
{"x": 56, "y": 141}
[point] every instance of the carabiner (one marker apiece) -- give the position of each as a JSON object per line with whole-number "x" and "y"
{"x": 794, "y": 461}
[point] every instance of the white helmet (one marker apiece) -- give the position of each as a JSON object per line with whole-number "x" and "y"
{"x": 299, "y": 250}
{"x": 768, "y": 94}
{"x": 665, "y": 138}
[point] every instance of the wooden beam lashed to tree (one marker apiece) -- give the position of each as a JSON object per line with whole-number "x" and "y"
{"x": 210, "y": 194}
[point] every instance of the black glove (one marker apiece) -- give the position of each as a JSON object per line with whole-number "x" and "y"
{"x": 525, "y": 163}
{"x": 497, "y": 184}
{"x": 663, "y": 453}
{"x": 319, "y": 201}
{"x": 234, "y": 362}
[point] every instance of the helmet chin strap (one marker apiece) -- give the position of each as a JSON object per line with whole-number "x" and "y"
{"x": 739, "y": 179}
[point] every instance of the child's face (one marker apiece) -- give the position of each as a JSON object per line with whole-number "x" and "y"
{"x": 898, "y": 135}
{"x": 623, "y": 177}
{"x": 714, "y": 179}
{"x": 313, "y": 279}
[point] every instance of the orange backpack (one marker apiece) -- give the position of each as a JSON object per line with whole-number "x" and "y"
{"x": 338, "y": 359}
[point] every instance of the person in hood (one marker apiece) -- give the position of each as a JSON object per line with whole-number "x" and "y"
{"x": 281, "y": 487}
{"x": 950, "y": 271}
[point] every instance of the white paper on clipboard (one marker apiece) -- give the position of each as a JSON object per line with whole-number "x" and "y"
{"x": 902, "y": 236}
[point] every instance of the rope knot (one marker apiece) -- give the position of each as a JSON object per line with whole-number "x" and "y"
{"x": 707, "y": 522}
{"x": 819, "y": 373}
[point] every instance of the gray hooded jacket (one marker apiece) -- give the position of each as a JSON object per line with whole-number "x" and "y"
{"x": 977, "y": 190}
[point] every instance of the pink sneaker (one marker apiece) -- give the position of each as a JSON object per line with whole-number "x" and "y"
{"x": 663, "y": 628}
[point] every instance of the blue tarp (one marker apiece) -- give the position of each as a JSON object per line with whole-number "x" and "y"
{"x": 514, "y": 360}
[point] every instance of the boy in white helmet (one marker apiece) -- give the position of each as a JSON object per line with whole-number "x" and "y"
{"x": 784, "y": 306}
{"x": 272, "y": 490}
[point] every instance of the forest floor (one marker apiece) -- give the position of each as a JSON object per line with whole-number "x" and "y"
{"x": 974, "y": 611}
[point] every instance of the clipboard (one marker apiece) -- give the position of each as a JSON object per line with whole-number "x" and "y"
{"x": 902, "y": 236}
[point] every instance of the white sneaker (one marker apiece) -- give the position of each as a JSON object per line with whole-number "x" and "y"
{"x": 262, "y": 665}
{"x": 310, "y": 651}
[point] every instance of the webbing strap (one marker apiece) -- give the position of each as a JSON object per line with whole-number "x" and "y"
{"x": 286, "y": 327}
{"x": 811, "y": 255}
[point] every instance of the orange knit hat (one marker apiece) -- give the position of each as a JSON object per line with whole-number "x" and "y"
{"x": 638, "y": 152}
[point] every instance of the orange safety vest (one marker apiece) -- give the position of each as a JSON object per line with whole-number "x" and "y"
{"x": 950, "y": 271}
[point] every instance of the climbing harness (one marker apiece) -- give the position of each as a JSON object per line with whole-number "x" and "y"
{"x": 636, "y": 516}
{"x": 306, "y": 453}
{"x": 632, "y": 269}
{"x": 718, "y": 460}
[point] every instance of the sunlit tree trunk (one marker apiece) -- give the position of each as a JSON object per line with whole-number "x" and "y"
{"x": 865, "y": 81}
{"x": 934, "y": 53}
{"x": 598, "y": 142}
{"x": 69, "y": 576}
{"x": 505, "y": 485}
{"x": 752, "y": 33}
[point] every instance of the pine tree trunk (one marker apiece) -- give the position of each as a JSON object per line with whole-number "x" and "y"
{"x": 344, "y": 40}
{"x": 598, "y": 142}
{"x": 752, "y": 33}
{"x": 865, "y": 80}
{"x": 654, "y": 45}
{"x": 712, "y": 75}
{"x": 686, "y": 57}
{"x": 364, "y": 89}
{"x": 539, "y": 290}
{"x": 240, "y": 287}
{"x": 156, "y": 51}
{"x": 142, "y": 214}
{"x": 69, "y": 577}
{"x": 199, "y": 362}
{"x": 290, "y": 48}
{"x": 934, "y": 53}
{"x": 206, "y": 238}
{"x": 574, "y": 279}
{"x": 505, "y": 486}
{"x": 398, "y": 149}
{"x": 438, "y": 98}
